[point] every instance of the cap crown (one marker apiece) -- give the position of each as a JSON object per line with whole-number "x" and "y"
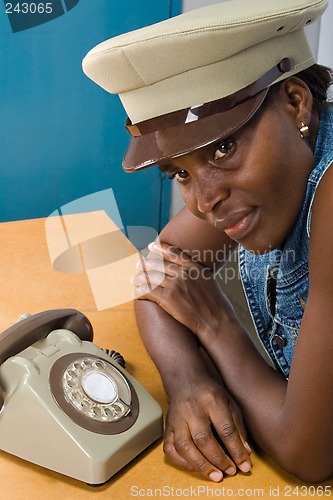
{"x": 203, "y": 54}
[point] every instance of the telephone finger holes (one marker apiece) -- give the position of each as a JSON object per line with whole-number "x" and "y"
{"x": 94, "y": 393}
{"x": 92, "y": 386}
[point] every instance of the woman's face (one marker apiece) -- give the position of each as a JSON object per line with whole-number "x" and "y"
{"x": 251, "y": 185}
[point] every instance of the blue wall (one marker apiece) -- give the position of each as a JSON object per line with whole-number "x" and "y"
{"x": 62, "y": 137}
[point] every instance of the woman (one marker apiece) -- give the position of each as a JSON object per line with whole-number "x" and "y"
{"x": 253, "y": 168}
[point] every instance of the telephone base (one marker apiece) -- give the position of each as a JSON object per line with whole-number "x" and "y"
{"x": 43, "y": 424}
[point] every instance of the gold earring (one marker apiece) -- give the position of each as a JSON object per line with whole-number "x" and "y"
{"x": 303, "y": 130}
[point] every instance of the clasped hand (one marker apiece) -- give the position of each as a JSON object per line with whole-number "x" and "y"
{"x": 204, "y": 431}
{"x": 184, "y": 288}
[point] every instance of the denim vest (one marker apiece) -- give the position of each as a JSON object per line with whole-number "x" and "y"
{"x": 276, "y": 284}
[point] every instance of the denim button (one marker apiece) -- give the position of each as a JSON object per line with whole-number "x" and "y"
{"x": 279, "y": 340}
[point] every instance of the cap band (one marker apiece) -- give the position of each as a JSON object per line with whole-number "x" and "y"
{"x": 200, "y": 111}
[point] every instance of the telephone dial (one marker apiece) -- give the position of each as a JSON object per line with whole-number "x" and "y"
{"x": 66, "y": 404}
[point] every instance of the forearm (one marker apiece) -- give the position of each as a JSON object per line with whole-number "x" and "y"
{"x": 259, "y": 389}
{"x": 173, "y": 348}
{"x": 171, "y": 344}
{"x": 176, "y": 351}
{"x": 199, "y": 402}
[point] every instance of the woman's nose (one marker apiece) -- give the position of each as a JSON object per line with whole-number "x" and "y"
{"x": 210, "y": 193}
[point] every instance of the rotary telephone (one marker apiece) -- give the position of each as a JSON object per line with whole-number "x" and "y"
{"x": 66, "y": 404}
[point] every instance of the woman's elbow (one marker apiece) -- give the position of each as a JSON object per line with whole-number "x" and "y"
{"x": 306, "y": 463}
{"x": 312, "y": 475}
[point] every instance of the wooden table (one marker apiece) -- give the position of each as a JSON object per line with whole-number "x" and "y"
{"x": 30, "y": 284}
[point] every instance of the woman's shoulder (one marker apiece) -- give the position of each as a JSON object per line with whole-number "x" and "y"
{"x": 324, "y": 143}
{"x": 321, "y": 236}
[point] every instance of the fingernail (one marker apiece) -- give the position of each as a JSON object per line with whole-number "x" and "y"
{"x": 231, "y": 470}
{"x": 216, "y": 476}
{"x": 152, "y": 245}
{"x": 138, "y": 265}
{"x": 245, "y": 467}
{"x": 248, "y": 448}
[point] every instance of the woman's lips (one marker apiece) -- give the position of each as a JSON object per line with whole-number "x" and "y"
{"x": 239, "y": 224}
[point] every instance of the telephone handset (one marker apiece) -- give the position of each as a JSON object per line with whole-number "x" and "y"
{"x": 32, "y": 328}
{"x": 86, "y": 416}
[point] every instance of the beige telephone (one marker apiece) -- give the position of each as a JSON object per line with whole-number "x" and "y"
{"x": 65, "y": 404}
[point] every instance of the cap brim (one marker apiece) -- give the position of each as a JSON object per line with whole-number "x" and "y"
{"x": 158, "y": 147}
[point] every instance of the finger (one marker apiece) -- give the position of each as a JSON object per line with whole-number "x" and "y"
{"x": 152, "y": 293}
{"x": 231, "y": 439}
{"x": 142, "y": 292}
{"x": 181, "y": 450}
{"x": 171, "y": 253}
{"x": 151, "y": 264}
{"x": 152, "y": 278}
{"x": 209, "y": 448}
{"x": 238, "y": 419}
{"x": 171, "y": 452}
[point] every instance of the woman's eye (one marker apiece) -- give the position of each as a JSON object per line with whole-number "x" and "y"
{"x": 222, "y": 149}
{"x": 180, "y": 176}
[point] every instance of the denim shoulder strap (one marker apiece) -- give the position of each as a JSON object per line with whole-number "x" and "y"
{"x": 323, "y": 153}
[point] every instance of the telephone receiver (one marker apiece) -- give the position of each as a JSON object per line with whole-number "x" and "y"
{"x": 33, "y": 328}
{"x": 66, "y": 404}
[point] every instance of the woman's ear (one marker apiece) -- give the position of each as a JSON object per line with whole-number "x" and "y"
{"x": 298, "y": 98}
